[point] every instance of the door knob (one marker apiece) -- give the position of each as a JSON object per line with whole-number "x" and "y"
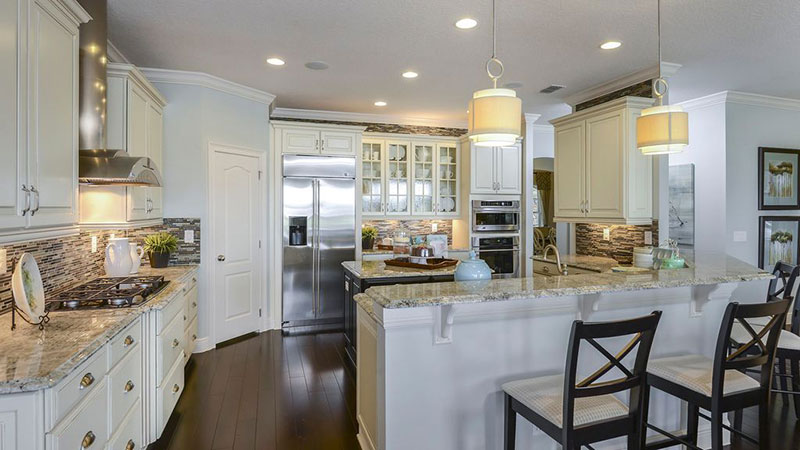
{"x": 220, "y": 257}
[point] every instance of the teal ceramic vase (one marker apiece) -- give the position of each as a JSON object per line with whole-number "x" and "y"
{"x": 472, "y": 269}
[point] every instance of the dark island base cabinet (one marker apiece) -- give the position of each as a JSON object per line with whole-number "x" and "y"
{"x": 354, "y": 285}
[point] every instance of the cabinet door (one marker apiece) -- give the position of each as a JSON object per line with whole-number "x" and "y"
{"x": 569, "y": 170}
{"x": 372, "y": 201}
{"x": 338, "y": 143}
{"x": 155, "y": 144}
{"x": 300, "y": 141}
{"x": 423, "y": 172}
{"x": 53, "y": 116}
{"x": 398, "y": 175}
{"x": 508, "y": 169}
{"x": 482, "y": 170}
{"x": 447, "y": 184}
{"x": 604, "y": 172}
{"x": 137, "y": 146}
{"x": 12, "y": 143}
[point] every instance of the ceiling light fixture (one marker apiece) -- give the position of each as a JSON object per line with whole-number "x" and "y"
{"x": 380, "y": 103}
{"x": 410, "y": 74}
{"x": 610, "y": 45}
{"x": 494, "y": 115}
{"x": 275, "y": 61}
{"x": 662, "y": 129}
{"x": 466, "y": 23}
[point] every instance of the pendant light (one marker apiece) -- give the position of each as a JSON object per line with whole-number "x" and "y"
{"x": 662, "y": 129}
{"x": 494, "y": 115}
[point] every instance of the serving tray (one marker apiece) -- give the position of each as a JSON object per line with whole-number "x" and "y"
{"x": 430, "y": 264}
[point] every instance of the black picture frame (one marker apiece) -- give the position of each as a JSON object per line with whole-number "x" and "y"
{"x": 762, "y": 206}
{"x": 761, "y": 238}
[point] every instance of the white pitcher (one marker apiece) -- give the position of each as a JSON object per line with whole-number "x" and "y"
{"x": 137, "y": 252}
{"x": 118, "y": 258}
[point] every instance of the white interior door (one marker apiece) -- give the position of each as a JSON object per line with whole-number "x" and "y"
{"x": 235, "y": 212}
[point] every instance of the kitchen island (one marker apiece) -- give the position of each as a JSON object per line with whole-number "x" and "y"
{"x": 432, "y": 357}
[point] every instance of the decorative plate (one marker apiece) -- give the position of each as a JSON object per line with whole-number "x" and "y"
{"x": 26, "y": 284}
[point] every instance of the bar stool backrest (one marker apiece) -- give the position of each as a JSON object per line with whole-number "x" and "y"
{"x": 783, "y": 283}
{"x": 642, "y": 330}
{"x": 756, "y": 352}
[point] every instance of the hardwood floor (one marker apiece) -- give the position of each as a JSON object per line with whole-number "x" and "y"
{"x": 276, "y": 392}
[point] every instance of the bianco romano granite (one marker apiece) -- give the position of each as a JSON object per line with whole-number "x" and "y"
{"x": 31, "y": 359}
{"x": 378, "y": 269}
{"x": 704, "y": 270}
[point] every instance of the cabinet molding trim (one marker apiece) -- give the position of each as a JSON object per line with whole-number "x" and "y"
{"x": 130, "y": 71}
{"x": 667, "y": 70}
{"x": 316, "y": 126}
{"x": 27, "y": 234}
{"x": 629, "y": 102}
{"x": 291, "y": 113}
{"x": 208, "y": 81}
{"x": 74, "y": 10}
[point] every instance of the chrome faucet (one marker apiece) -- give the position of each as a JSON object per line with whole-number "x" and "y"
{"x": 561, "y": 268}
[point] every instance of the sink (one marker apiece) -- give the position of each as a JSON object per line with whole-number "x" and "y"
{"x": 548, "y": 268}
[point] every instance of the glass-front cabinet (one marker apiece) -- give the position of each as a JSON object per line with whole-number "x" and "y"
{"x": 410, "y": 178}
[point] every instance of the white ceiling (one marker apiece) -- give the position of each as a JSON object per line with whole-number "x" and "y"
{"x": 744, "y": 45}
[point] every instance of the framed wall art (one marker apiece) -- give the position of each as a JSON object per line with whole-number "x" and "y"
{"x": 778, "y": 178}
{"x": 779, "y": 240}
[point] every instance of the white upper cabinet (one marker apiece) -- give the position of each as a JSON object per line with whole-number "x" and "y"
{"x": 600, "y": 175}
{"x": 305, "y": 138}
{"x": 496, "y": 170}
{"x": 39, "y": 113}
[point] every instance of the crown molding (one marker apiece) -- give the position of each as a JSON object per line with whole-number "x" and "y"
{"x": 540, "y": 128}
{"x": 132, "y": 72}
{"x": 531, "y": 117}
{"x": 75, "y": 10}
{"x": 114, "y": 55}
{"x": 741, "y": 98}
{"x": 704, "y": 102}
{"x": 209, "y": 81}
{"x": 667, "y": 70}
{"x": 314, "y": 114}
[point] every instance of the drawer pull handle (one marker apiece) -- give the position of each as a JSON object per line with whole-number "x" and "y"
{"x": 131, "y": 445}
{"x": 194, "y": 304}
{"x": 175, "y": 389}
{"x": 194, "y": 280}
{"x": 176, "y": 342}
{"x": 88, "y": 440}
{"x": 184, "y": 318}
{"x": 194, "y": 337}
{"x": 128, "y": 341}
{"x": 87, "y": 381}
{"x": 129, "y": 386}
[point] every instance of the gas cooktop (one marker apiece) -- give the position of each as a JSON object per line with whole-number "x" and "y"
{"x": 111, "y": 292}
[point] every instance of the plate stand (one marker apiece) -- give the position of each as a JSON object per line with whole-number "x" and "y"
{"x": 44, "y": 319}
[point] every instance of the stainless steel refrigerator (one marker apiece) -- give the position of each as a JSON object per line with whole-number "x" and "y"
{"x": 318, "y": 234}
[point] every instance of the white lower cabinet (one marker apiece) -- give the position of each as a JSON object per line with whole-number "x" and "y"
{"x": 85, "y": 427}
{"x": 168, "y": 393}
{"x": 129, "y": 433}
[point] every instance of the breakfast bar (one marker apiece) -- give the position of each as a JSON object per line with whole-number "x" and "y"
{"x": 432, "y": 357}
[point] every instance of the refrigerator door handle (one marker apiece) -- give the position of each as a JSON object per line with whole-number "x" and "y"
{"x": 316, "y": 253}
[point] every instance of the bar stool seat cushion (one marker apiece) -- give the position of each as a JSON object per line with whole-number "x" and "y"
{"x": 786, "y": 341}
{"x": 545, "y": 396}
{"x": 695, "y": 372}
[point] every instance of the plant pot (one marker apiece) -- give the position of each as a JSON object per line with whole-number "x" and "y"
{"x": 159, "y": 260}
{"x": 367, "y": 243}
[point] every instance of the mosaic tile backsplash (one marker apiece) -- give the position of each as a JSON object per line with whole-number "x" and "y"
{"x": 589, "y": 240}
{"x": 67, "y": 261}
{"x": 387, "y": 228}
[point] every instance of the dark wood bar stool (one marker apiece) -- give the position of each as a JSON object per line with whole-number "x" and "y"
{"x": 578, "y": 413}
{"x": 718, "y": 385}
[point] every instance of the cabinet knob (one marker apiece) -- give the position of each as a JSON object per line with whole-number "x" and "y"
{"x": 128, "y": 341}
{"x": 220, "y": 257}
{"x": 194, "y": 337}
{"x": 194, "y": 304}
{"x": 175, "y": 389}
{"x": 175, "y": 343}
{"x": 130, "y": 445}
{"x": 87, "y": 380}
{"x": 88, "y": 439}
{"x": 129, "y": 386}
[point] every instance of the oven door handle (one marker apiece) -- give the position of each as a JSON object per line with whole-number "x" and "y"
{"x": 477, "y": 250}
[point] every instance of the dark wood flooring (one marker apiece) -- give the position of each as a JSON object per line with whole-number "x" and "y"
{"x": 294, "y": 392}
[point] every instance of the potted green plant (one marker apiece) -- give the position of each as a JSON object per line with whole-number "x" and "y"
{"x": 158, "y": 247}
{"x": 368, "y": 235}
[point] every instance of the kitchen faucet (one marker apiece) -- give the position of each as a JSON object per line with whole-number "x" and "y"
{"x": 561, "y": 269}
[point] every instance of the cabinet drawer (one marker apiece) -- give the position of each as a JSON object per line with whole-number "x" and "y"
{"x": 87, "y": 428}
{"x": 190, "y": 339}
{"x": 169, "y": 345}
{"x": 125, "y": 383}
{"x": 191, "y": 303}
{"x": 79, "y": 384}
{"x": 165, "y": 316}
{"x": 168, "y": 394}
{"x": 129, "y": 434}
{"x": 124, "y": 342}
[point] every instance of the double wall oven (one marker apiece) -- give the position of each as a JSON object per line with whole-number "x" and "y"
{"x": 495, "y": 235}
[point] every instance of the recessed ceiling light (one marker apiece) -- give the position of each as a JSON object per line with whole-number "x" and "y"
{"x": 610, "y": 45}
{"x": 276, "y": 61}
{"x": 410, "y": 74}
{"x": 466, "y": 23}
{"x": 380, "y": 103}
{"x": 317, "y": 65}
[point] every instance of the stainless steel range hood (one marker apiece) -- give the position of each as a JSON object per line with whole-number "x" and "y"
{"x": 96, "y": 164}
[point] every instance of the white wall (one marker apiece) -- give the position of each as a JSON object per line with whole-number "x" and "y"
{"x": 194, "y": 116}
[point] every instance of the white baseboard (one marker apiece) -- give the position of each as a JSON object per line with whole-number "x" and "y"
{"x": 203, "y": 344}
{"x": 364, "y": 442}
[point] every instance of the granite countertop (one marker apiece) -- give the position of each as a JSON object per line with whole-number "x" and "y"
{"x": 31, "y": 360}
{"x": 596, "y": 263}
{"x": 705, "y": 269}
{"x": 389, "y": 252}
{"x": 378, "y": 269}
